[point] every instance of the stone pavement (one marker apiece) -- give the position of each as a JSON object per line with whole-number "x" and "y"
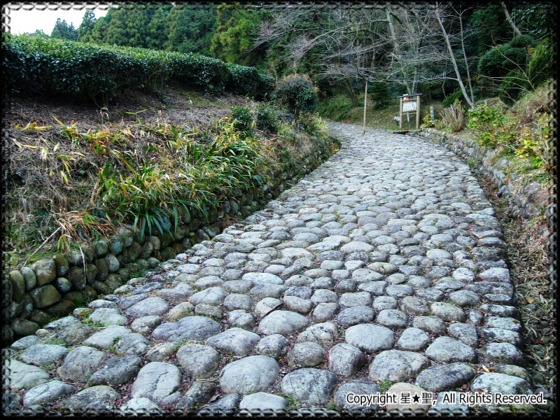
{"x": 382, "y": 270}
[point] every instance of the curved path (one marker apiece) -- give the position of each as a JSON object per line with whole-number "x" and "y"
{"x": 384, "y": 268}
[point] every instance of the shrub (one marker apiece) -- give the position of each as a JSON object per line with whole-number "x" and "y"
{"x": 450, "y": 99}
{"x": 243, "y": 119}
{"x": 244, "y": 80}
{"x": 335, "y": 108}
{"x": 453, "y": 117}
{"x": 513, "y": 85}
{"x": 265, "y": 87}
{"x": 297, "y": 93}
{"x": 542, "y": 64}
{"x": 267, "y": 118}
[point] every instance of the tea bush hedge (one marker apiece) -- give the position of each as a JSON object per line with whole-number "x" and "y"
{"x": 98, "y": 72}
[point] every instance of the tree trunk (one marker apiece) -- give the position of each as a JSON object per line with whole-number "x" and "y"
{"x": 516, "y": 30}
{"x": 365, "y": 108}
{"x": 453, "y": 59}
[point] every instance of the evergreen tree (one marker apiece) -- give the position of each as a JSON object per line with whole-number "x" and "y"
{"x": 99, "y": 32}
{"x": 85, "y": 31}
{"x": 63, "y": 30}
{"x": 156, "y": 32}
{"x": 235, "y": 34}
{"x": 128, "y": 27}
{"x": 191, "y": 28}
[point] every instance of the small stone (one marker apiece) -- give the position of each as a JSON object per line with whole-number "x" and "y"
{"x": 355, "y": 315}
{"x": 503, "y": 353}
{"x": 282, "y": 322}
{"x": 198, "y": 361}
{"x": 237, "y": 341}
{"x": 309, "y": 385}
{"x": 392, "y": 318}
{"x": 500, "y": 383}
{"x": 306, "y": 354}
{"x": 397, "y": 365}
{"x": 274, "y": 345}
{"x": 106, "y": 338}
{"x": 43, "y": 354}
{"x": 179, "y": 311}
{"x": 96, "y": 399}
{"x": 324, "y": 311}
{"x": 448, "y": 312}
{"x": 357, "y": 388}
{"x": 80, "y": 363}
{"x": 401, "y": 388}
{"x": 345, "y": 359}
{"x": 195, "y": 328}
{"x": 465, "y": 333}
{"x": 21, "y": 376}
{"x": 413, "y": 339}
{"x": 108, "y": 316}
{"x": 261, "y": 402}
{"x": 116, "y": 371}
{"x": 447, "y": 349}
{"x": 141, "y": 405}
{"x": 370, "y": 338}
{"x": 323, "y": 333}
{"x": 145, "y": 324}
{"x": 445, "y": 377}
{"x": 154, "y": 305}
{"x": 431, "y": 324}
{"x": 47, "y": 392}
{"x": 248, "y": 375}
{"x": 157, "y": 381}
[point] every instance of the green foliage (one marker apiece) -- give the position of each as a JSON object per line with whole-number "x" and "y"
{"x": 491, "y": 125}
{"x": 335, "y": 108}
{"x": 267, "y": 118}
{"x": 237, "y": 26}
{"x": 54, "y": 66}
{"x": 542, "y": 64}
{"x": 457, "y": 95}
{"x": 453, "y": 117}
{"x": 297, "y": 94}
{"x": 513, "y": 85}
{"x": 243, "y": 120}
{"x": 190, "y": 27}
{"x": 490, "y": 26}
{"x": 85, "y": 31}
{"x": 500, "y": 60}
{"x": 64, "y": 31}
{"x": 381, "y": 95}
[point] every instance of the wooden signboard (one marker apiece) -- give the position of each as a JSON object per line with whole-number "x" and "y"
{"x": 409, "y": 104}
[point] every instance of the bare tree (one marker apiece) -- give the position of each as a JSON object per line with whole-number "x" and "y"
{"x": 516, "y": 30}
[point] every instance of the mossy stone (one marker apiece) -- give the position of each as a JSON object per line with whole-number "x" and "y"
{"x": 45, "y": 271}
{"x": 18, "y": 286}
{"x": 62, "y": 265}
{"x": 45, "y": 296}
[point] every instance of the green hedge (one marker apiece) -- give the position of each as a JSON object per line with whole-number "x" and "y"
{"x": 97, "y": 72}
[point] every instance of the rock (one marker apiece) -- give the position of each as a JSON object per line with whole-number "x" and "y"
{"x": 309, "y": 386}
{"x": 132, "y": 344}
{"x": 445, "y": 377}
{"x": 116, "y": 371}
{"x": 431, "y": 324}
{"x": 43, "y": 354}
{"x": 282, "y": 322}
{"x": 198, "y": 361}
{"x": 240, "y": 318}
{"x": 370, "y": 338}
{"x": 448, "y": 312}
{"x": 47, "y": 392}
{"x": 161, "y": 351}
{"x": 346, "y": 398}
{"x": 198, "y": 394}
{"x": 447, "y": 349}
{"x": 22, "y": 376}
{"x": 45, "y": 271}
{"x": 274, "y": 345}
{"x": 18, "y": 286}
{"x": 226, "y": 405}
{"x": 355, "y": 315}
{"x": 248, "y": 375}
{"x": 261, "y": 402}
{"x": 96, "y": 399}
{"x": 399, "y": 390}
{"x": 392, "y": 318}
{"x": 355, "y": 299}
{"x": 237, "y": 341}
{"x": 503, "y": 353}
{"x": 356, "y": 246}
{"x": 413, "y": 339}
{"x": 154, "y": 305}
{"x": 145, "y": 324}
{"x": 23, "y": 327}
{"x": 45, "y": 296}
{"x": 106, "y": 338}
{"x": 324, "y": 311}
{"x": 397, "y": 365}
{"x": 306, "y": 354}
{"x": 413, "y": 305}
{"x": 108, "y": 316}
{"x": 500, "y": 383}
{"x": 238, "y": 301}
{"x": 465, "y": 333}
{"x": 497, "y": 274}
{"x": 322, "y": 333}
{"x": 261, "y": 278}
{"x": 157, "y": 381}
{"x": 180, "y": 311}
{"x": 80, "y": 363}
{"x": 195, "y": 328}
{"x": 29, "y": 278}
{"x": 345, "y": 359}
{"x": 25, "y": 342}
{"x": 143, "y": 405}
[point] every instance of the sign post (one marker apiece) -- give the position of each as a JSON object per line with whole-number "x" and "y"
{"x": 408, "y": 105}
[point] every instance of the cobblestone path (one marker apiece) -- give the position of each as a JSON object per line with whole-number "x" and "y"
{"x": 382, "y": 270}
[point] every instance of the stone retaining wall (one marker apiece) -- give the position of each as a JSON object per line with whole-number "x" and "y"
{"x": 53, "y": 287}
{"x": 524, "y": 201}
